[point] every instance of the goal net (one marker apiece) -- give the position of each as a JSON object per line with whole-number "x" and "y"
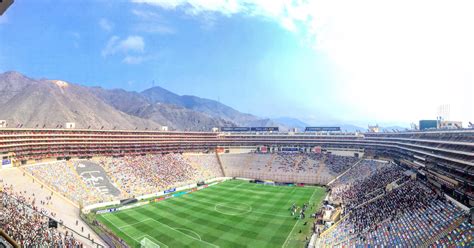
{"x": 148, "y": 243}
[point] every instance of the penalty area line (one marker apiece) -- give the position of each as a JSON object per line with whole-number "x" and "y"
{"x": 213, "y": 245}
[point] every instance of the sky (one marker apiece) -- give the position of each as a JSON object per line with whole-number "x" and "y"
{"x": 323, "y": 62}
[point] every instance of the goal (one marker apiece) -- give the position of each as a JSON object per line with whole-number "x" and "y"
{"x": 148, "y": 243}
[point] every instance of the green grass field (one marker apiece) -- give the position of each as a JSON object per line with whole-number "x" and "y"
{"x": 230, "y": 214}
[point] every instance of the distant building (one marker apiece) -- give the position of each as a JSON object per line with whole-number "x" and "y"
{"x": 428, "y": 124}
{"x": 450, "y": 124}
{"x": 164, "y": 128}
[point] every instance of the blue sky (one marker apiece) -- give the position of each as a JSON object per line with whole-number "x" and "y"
{"x": 312, "y": 60}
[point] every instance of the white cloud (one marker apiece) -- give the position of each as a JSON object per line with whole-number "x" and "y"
{"x": 132, "y": 43}
{"x": 167, "y": 4}
{"x": 151, "y": 22}
{"x": 396, "y": 60}
{"x": 146, "y": 14}
{"x": 106, "y": 24}
{"x": 226, "y": 7}
{"x": 154, "y": 28}
{"x": 133, "y": 60}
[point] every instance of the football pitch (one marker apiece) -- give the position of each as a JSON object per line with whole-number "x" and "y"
{"x": 233, "y": 213}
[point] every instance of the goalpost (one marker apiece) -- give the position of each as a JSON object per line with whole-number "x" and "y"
{"x": 148, "y": 243}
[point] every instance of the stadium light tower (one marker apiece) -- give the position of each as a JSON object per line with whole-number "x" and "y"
{"x": 444, "y": 112}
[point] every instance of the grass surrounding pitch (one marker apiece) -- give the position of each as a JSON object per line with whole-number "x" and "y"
{"x": 230, "y": 214}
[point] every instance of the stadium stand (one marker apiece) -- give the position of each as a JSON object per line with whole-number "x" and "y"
{"x": 407, "y": 216}
{"x": 462, "y": 235}
{"x": 141, "y": 175}
{"x": 206, "y": 163}
{"x": 63, "y": 178}
{"x": 364, "y": 182}
{"x": 28, "y": 225}
{"x": 284, "y": 166}
{"x": 338, "y": 164}
{"x": 380, "y": 204}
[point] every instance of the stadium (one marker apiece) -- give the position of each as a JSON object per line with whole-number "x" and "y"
{"x": 237, "y": 187}
{"x": 236, "y": 124}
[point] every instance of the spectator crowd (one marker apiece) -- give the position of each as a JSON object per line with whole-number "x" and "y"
{"x": 338, "y": 164}
{"x": 64, "y": 179}
{"x": 132, "y": 175}
{"x": 27, "y": 224}
{"x": 411, "y": 214}
{"x": 140, "y": 175}
{"x": 365, "y": 181}
{"x": 319, "y": 168}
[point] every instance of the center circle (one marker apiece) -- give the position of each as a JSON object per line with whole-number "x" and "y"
{"x": 233, "y": 208}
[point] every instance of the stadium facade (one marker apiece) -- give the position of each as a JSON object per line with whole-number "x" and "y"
{"x": 445, "y": 158}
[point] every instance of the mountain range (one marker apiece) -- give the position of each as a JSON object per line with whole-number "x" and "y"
{"x": 29, "y": 102}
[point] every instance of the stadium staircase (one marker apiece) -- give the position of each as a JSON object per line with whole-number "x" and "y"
{"x": 378, "y": 196}
{"x": 375, "y": 193}
{"x": 270, "y": 162}
{"x": 219, "y": 161}
{"x": 342, "y": 174}
{"x": 370, "y": 200}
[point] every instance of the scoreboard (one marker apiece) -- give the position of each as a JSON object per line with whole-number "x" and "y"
{"x": 235, "y": 129}
{"x": 264, "y": 129}
{"x": 322, "y": 129}
{"x": 249, "y": 129}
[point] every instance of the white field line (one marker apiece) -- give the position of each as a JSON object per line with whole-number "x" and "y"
{"x": 120, "y": 229}
{"x": 213, "y": 245}
{"x": 129, "y": 225}
{"x": 175, "y": 229}
{"x": 289, "y": 235}
{"x": 246, "y": 211}
{"x": 149, "y": 205}
{"x": 286, "y": 240}
{"x": 150, "y": 237}
{"x": 199, "y": 236}
{"x": 252, "y": 211}
{"x": 209, "y": 202}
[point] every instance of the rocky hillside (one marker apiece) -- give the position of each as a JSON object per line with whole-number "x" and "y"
{"x": 51, "y": 103}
